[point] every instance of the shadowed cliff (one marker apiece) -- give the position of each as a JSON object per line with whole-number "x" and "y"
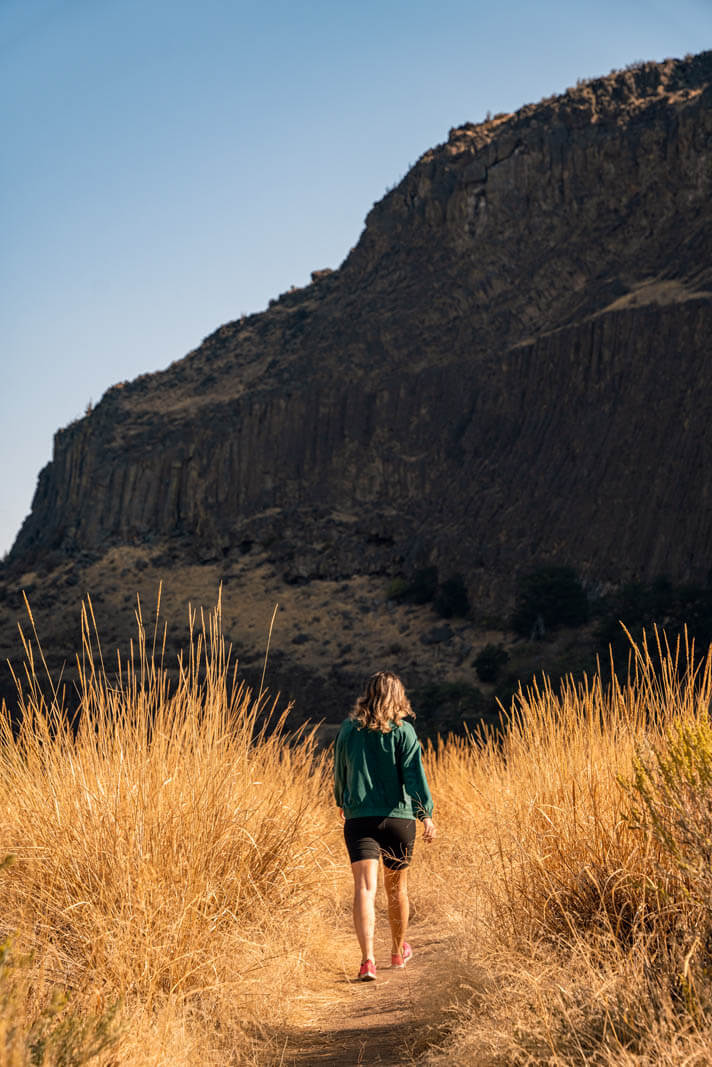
{"x": 511, "y": 366}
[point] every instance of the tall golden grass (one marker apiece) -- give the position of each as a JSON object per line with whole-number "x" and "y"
{"x": 175, "y": 875}
{"x": 171, "y": 867}
{"x": 577, "y": 872}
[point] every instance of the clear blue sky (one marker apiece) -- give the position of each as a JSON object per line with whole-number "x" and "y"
{"x": 170, "y": 164}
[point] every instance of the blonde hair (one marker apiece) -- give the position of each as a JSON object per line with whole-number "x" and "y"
{"x": 383, "y": 704}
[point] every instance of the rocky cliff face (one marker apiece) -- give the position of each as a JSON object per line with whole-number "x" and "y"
{"x": 512, "y": 366}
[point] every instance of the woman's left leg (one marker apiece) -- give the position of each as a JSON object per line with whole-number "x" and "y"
{"x": 396, "y": 885}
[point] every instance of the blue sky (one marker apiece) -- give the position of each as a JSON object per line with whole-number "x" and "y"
{"x": 168, "y": 165}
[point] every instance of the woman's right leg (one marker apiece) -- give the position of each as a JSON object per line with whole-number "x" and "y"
{"x": 365, "y": 874}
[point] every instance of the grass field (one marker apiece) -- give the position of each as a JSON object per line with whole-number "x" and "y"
{"x": 174, "y": 871}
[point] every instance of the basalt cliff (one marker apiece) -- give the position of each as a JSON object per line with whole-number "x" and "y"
{"x": 511, "y": 367}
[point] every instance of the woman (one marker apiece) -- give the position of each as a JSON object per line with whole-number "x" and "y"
{"x": 381, "y": 788}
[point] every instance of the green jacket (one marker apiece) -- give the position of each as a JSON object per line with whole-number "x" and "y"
{"x": 380, "y": 774}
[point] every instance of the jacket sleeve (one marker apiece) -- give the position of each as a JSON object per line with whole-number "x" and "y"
{"x": 339, "y": 770}
{"x": 414, "y": 780}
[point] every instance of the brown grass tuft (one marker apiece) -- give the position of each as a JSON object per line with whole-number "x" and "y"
{"x": 175, "y": 875}
{"x": 587, "y": 937}
{"x": 171, "y": 852}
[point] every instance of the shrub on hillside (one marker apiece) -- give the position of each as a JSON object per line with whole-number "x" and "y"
{"x": 641, "y": 605}
{"x": 451, "y": 598}
{"x": 422, "y": 588}
{"x": 547, "y": 598}
{"x": 396, "y": 589}
{"x": 489, "y": 662}
{"x": 445, "y": 706}
{"x": 419, "y": 590}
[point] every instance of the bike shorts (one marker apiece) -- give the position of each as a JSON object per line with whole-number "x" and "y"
{"x": 371, "y": 837}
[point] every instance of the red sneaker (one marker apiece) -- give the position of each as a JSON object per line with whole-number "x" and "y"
{"x": 367, "y": 973}
{"x": 399, "y": 961}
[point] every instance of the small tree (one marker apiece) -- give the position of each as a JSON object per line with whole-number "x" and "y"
{"x": 552, "y": 596}
{"x": 422, "y": 588}
{"x": 396, "y": 589}
{"x": 489, "y": 662}
{"x": 451, "y": 598}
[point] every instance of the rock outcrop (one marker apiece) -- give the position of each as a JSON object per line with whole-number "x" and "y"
{"x": 511, "y": 366}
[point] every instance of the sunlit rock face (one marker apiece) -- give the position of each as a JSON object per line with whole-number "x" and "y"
{"x": 511, "y": 366}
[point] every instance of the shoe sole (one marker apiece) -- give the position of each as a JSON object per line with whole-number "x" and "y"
{"x": 367, "y": 978}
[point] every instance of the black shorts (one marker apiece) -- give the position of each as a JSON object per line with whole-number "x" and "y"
{"x": 372, "y": 837}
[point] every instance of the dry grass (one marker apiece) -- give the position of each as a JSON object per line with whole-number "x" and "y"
{"x": 177, "y": 866}
{"x": 171, "y": 867}
{"x": 588, "y": 939}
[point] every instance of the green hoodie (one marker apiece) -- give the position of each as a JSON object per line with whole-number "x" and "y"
{"x": 380, "y": 773}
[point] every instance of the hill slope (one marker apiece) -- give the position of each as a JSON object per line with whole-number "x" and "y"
{"x": 510, "y": 367}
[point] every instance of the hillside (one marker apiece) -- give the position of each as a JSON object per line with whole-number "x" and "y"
{"x": 510, "y": 368}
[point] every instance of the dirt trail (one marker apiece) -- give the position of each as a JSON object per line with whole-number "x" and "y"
{"x": 389, "y": 1021}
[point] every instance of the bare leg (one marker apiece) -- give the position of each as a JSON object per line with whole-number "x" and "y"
{"x": 365, "y": 874}
{"x": 396, "y": 883}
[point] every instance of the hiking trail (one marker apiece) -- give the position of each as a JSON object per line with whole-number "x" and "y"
{"x": 389, "y": 1021}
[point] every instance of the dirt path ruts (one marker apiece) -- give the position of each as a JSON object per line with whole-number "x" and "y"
{"x": 383, "y": 1022}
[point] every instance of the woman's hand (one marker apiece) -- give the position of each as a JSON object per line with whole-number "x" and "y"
{"x": 341, "y": 813}
{"x": 429, "y": 831}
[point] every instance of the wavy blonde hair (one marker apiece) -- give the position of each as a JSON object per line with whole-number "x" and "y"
{"x": 383, "y": 704}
